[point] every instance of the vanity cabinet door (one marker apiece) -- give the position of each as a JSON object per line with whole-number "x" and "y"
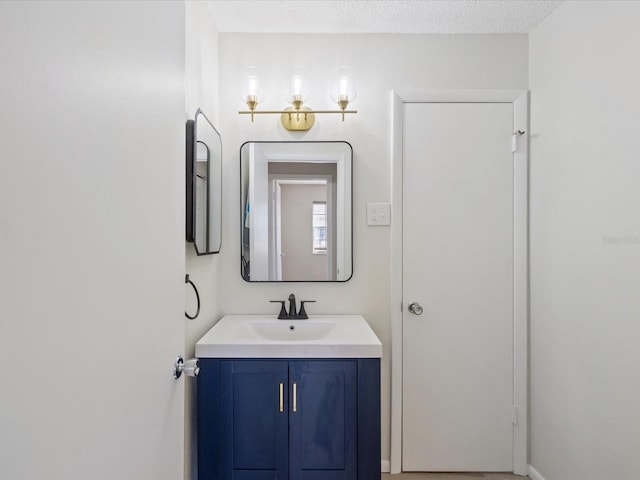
{"x": 323, "y": 420}
{"x": 254, "y": 420}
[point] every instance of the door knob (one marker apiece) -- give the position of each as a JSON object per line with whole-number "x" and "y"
{"x": 415, "y": 308}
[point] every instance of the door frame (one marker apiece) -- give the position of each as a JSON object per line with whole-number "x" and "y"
{"x": 520, "y": 100}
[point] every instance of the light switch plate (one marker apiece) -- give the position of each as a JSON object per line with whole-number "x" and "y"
{"x": 378, "y": 214}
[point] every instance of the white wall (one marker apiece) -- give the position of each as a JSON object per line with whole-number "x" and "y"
{"x": 383, "y": 62}
{"x": 201, "y": 81}
{"x": 91, "y": 239}
{"x": 585, "y": 242}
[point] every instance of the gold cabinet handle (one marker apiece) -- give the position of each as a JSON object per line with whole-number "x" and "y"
{"x": 281, "y": 397}
{"x": 295, "y": 397}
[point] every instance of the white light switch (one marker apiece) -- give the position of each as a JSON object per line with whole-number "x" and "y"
{"x": 378, "y": 214}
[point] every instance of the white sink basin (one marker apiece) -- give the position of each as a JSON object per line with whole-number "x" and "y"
{"x": 263, "y": 336}
{"x": 284, "y": 331}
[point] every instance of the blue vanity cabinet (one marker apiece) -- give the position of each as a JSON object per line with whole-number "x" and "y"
{"x": 324, "y": 426}
{"x": 254, "y": 422}
{"x": 323, "y": 420}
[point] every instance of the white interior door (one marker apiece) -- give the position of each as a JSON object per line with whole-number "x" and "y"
{"x": 458, "y": 232}
{"x": 92, "y": 250}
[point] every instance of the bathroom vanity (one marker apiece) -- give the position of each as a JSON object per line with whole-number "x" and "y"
{"x": 289, "y": 399}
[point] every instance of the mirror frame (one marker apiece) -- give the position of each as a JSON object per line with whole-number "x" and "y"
{"x": 242, "y": 212}
{"x": 190, "y": 178}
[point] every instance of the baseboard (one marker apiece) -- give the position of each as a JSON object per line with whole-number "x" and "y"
{"x": 533, "y": 473}
{"x": 385, "y": 467}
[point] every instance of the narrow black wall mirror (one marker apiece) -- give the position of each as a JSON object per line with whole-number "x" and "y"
{"x": 296, "y": 211}
{"x": 204, "y": 185}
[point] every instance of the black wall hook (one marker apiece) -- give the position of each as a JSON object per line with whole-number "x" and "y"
{"x": 186, "y": 280}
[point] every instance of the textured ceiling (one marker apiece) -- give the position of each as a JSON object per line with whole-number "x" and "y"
{"x": 380, "y": 16}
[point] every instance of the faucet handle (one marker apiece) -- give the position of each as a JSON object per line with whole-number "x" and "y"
{"x": 302, "y": 315}
{"x": 283, "y": 310}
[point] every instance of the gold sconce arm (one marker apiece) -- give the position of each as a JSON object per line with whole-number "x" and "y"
{"x": 293, "y": 119}
{"x": 279, "y": 112}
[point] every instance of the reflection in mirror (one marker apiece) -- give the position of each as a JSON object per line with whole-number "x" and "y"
{"x": 204, "y": 185}
{"x": 296, "y": 211}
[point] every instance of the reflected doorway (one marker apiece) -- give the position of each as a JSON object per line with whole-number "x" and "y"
{"x": 302, "y": 210}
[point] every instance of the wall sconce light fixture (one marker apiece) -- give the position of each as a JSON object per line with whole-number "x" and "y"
{"x": 297, "y": 116}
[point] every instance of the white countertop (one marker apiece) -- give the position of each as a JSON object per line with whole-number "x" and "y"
{"x": 264, "y": 336}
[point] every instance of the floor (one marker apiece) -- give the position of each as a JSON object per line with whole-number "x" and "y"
{"x": 452, "y": 476}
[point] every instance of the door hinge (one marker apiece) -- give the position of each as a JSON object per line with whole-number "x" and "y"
{"x": 401, "y": 307}
{"x": 514, "y": 140}
{"x": 514, "y": 415}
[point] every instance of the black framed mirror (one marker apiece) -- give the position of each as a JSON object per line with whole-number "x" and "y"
{"x": 204, "y": 185}
{"x": 296, "y": 211}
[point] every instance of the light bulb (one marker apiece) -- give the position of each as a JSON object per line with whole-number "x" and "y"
{"x": 253, "y": 85}
{"x": 297, "y": 92}
{"x": 344, "y": 83}
{"x": 297, "y": 85}
{"x": 252, "y": 90}
{"x": 343, "y": 86}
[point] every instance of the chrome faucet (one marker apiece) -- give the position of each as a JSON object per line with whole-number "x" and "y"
{"x": 293, "y": 314}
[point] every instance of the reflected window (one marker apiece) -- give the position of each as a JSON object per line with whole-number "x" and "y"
{"x": 319, "y": 226}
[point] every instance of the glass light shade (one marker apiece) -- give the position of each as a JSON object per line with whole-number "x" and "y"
{"x": 343, "y": 85}
{"x": 251, "y": 87}
{"x": 297, "y": 90}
